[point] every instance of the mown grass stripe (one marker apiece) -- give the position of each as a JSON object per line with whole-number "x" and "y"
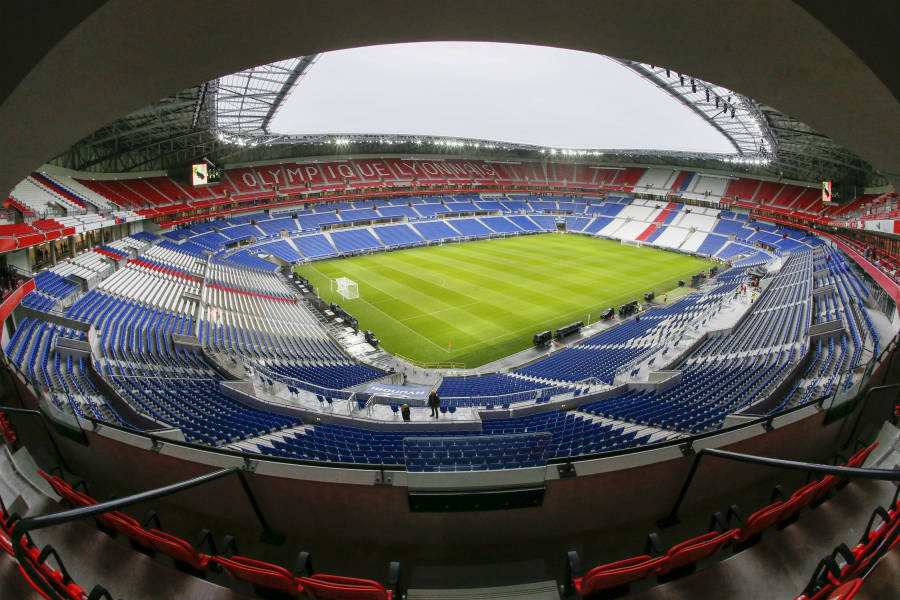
{"x": 489, "y": 297}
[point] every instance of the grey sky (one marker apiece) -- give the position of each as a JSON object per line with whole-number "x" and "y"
{"x": 503, "y": 92}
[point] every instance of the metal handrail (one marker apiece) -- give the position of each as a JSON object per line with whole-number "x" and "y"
{"x": 865, "y": 402}
{"x": 855, "y": 472}
{"x": 28, "y": 524}
{"x": 45, "y": 421}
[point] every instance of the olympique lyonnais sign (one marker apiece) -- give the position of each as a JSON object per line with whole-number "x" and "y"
{"x": 358, "y": 171}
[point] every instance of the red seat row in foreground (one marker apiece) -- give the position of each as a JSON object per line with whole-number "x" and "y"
{"x": 266, "y": 578}
{"x": 838, "y": 575}
{"x": 616, "y": 577}
{"x": 37, "y": 560}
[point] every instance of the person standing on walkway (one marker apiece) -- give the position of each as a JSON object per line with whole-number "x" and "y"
{"x": 434, "y": 403}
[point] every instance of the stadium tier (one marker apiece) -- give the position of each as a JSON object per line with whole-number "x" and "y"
{"x": 206, "y": 334}
{"x": 90, "y": 204}
{"x": 170, "y": 321}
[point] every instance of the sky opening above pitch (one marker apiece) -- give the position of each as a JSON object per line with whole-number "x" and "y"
{"x": 515, "y": 93}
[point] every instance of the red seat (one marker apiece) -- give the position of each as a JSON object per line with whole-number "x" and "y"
{"x": 127, "y": 526}
{"x": 822, "y": 587}
{"x": 617, "y": 574}
{"x": 58, "y": 578}
{"x": 178, "y": 549}
{"x": 336, "y": 587}
{"x": 7, "y": 432}
{"x": 858, "y": 458}
{"x": 66, "y": 491}
{"x": 758, "y": 522}
{"x": 6, "y": 524}
{"x": 846, "y": 591}
{"x": 874, "y": 534}
{"x": 692, "y": 551}
{"x": 114, "y": 520}
{"x": 261, "y": 574}
{"x": 872, "y": 538}
{"x": 799, "y": 500}
{"x": 824, "y": 486}
{"x": 59, "y": 485}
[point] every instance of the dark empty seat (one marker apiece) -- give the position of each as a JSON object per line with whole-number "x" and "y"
{"x": 178, "y": 550}
{"x": 617, "y": 574}
{"x": 686, "y": 554}
{"x": 261, "y": 575}
{"x": 344, "y": 588}
{"x": 756, "y": 523}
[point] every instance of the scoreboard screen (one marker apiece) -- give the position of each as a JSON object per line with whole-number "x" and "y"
{"x": 199, "y": 174}
{"x": 826, "y": 192}
{"x": 204, "y": 174}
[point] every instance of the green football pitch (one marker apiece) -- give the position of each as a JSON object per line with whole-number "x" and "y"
{"x": 475, "y": 302}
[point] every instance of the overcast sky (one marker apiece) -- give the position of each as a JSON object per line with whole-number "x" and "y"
{"x": 504, "y": 92}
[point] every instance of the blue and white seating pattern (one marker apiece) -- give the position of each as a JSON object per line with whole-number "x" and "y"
{"x": 247, "y": 308}
{"x": 570, "y": 434}
{"x": 283, "y": 249}
{"x": 355, "y": 240}
{"x": 397, "y": 236}
{"x": 498, "y": 389}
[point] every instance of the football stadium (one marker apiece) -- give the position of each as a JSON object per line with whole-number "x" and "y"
{"x": 450, "y": 300}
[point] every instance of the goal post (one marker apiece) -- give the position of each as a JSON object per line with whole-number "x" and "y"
{"x": 347, "y": 288}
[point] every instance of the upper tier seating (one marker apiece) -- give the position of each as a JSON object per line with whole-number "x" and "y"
{"x": 525, "y": 223}
{"x": 455, "y": 391}
{"x": 44, "y": 200}
{"x": 276, "y": 226}
{"x": 360, "y": 214}
{"x": 501, "y": 224}
{"x": 744, "y": 189}
{"x": 570, "y": 435}
{"x": 436, "y": 230}
{"x": 283, "y": 249}
{"x": 470, "y": 227}
{"x": 397, "y": 236}
{"x": 315, "y": 246}
{"x": 355, "y": 240}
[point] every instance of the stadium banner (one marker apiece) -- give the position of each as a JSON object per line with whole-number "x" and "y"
{"x": 12, "y": 301}
{"x": 250, "y": 179}
{"x": 884, "y": 225}
{"x": 826, "y": 192}
{"x": 398, "y": 391}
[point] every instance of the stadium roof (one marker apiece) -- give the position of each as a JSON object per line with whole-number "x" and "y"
{"x": 228, "y": 120}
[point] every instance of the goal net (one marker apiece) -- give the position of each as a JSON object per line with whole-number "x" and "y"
{"x": 347, "y": 288}
{"x": 638, "y": 243}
